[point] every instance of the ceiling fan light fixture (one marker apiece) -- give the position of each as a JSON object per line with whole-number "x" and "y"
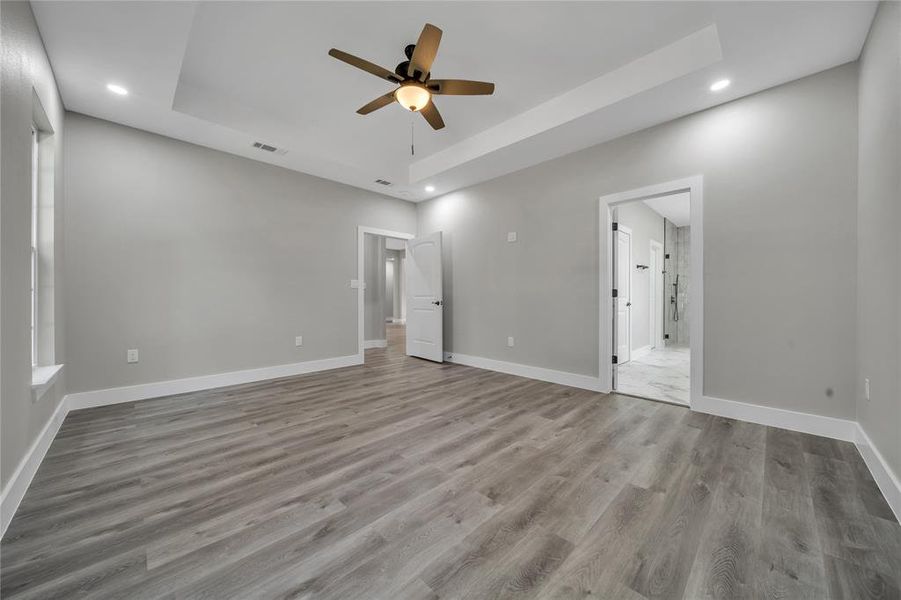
{"x": 412, "y": 97}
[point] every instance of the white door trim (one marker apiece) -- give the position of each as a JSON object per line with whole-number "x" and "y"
{"x": 655, "y": 304}
{"x": 361, "y": 276}
{"x": 695, "y": 186}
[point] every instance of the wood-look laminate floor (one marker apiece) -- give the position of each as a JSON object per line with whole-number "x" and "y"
{"x": 403, "y": 479}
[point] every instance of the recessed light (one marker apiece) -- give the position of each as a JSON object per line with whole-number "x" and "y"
{"x": 430, "y": 188}
{"x": 720, "y": 85}
{"x": 117, "y": 89}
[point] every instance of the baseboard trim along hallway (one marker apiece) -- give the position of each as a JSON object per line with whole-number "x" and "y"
{"x": 205, "y": 382}
{"x": 21, "y": 478}
{"x": 585, "y": 382}
{"x": 886, "y": 479}
{"x": 839, "y": 429}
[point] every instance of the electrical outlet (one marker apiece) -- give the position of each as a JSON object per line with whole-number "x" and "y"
{"x": 510, "y": 342}
{"x": 132, "y": 355}
{"x": 511, "y": 236}
{"x": 298, "y": 341}
{"x": 866, "y": 388}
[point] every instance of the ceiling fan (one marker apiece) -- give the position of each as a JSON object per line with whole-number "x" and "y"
{"x": 416, "y": 85}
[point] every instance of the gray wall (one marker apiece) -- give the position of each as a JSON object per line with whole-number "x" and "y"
{"x": 879, "y": 232}
{"x": 646, "y": 225}
{"x": 780, "y": 171}
{"x": 374, "y": 297}
{"x": 24, "y": 68}
{"x": 204, "y": 261}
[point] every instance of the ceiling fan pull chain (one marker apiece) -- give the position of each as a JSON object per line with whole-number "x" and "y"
{"x": 412, "y": 145}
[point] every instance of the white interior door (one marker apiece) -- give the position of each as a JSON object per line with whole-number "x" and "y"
{"x": 623, "y": 295}
{"x": 425, "y": 305}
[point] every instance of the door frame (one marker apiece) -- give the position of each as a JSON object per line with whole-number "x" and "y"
{"x": 695, "y": 186}
{"x": 657, "y": 303}
{"x": 361, "y": 277}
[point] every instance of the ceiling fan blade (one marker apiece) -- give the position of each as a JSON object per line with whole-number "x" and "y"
{"x": 431, "y": 114}
{"x": 376, "y": 104}
{"x": 425, "y": 51}
{"x": 365, "y": 65}
{"x": 460, "y": 87}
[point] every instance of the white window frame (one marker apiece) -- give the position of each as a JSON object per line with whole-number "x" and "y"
{"x": 35, "y": 258}
{"x": 43, "y": 372}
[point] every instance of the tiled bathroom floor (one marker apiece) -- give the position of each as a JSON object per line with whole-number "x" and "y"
{"x": 661, "y": 375}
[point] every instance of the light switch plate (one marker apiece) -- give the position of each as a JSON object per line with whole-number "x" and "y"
{"x": 132, "y": 355}
{"x": 298, "y": 340}
{"x": 511, "y": 236}
{"x": 510, "y": 342}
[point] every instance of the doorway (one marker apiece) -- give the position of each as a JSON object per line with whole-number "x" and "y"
{"x": 654, "y": 282}
{"x": 382, "y": 296}
{"x": 399, "y": 304}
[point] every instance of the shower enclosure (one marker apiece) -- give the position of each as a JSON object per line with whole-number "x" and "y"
{"x": 676, "y": 280}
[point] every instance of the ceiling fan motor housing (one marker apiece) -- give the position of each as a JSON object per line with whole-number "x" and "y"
{"x": 401, "y": 71}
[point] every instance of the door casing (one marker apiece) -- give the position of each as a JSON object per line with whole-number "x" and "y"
{"x": 606, "y": 308}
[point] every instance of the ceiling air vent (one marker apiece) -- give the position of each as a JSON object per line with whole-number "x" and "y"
{"x": 268, "y": 148}
{"x": 382, "y": 182}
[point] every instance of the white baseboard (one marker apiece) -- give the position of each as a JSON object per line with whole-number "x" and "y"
{"x": 21, "y": 478}
{"x": 640, "y": 352}
{"x": 886, "y": 479}
{"x": 367, "y": 344}
{"x": 840, "y": 429}
{"x": 586, "y": 382}
{"x": 204, "y": 382}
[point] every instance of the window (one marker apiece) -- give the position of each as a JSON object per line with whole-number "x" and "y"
{"x": 41, "y": 308}
{"x": 35, "y": 172}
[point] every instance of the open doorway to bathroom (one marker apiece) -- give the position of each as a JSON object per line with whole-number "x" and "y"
{"x": 652, "y": 281}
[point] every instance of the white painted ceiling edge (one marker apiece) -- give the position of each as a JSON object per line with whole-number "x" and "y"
{"x": 757, "y": 45}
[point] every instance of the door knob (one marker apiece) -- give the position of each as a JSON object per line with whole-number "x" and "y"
{"x": 628, "y": 304}
{"x": 436, "y": 302}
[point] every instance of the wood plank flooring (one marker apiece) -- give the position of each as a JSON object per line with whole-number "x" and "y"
{"x": 403, "y": 479}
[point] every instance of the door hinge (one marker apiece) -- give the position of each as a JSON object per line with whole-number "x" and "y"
{"x": 615, "y": 293}
{"x": 614, "y": 359}
{"x": 615, "y": 226}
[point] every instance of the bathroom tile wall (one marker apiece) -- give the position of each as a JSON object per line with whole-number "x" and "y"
{"x": 677, "y": 246}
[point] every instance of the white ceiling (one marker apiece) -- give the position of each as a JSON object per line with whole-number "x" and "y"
{"x": 568, "y": 75}
{"x": 675, "y": 207}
